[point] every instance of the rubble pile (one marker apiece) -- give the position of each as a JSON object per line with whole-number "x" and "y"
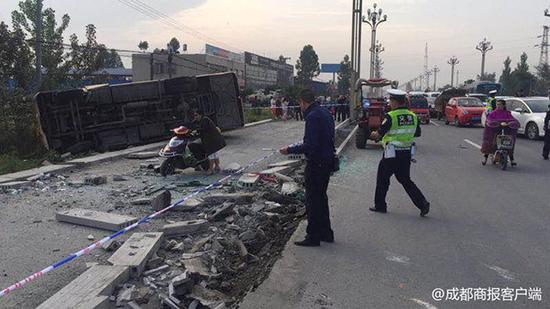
{"x": 222, "y": 247}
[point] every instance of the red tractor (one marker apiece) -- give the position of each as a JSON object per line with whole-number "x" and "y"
{"x": 373, "y": 108}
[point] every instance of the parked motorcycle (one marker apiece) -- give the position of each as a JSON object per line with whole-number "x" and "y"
{"x": 177, "y": 154}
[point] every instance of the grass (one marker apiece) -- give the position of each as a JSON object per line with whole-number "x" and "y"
{"x": 256, "y": 115}
{"x": 11, "y": 163}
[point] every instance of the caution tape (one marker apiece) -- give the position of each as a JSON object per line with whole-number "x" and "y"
{"x": 292, "y": 107}
{"x": 146, "y": 219}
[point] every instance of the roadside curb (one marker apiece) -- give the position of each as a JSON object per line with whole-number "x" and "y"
{"x": 346, "y": 141}
{"x": 257, "y": 123}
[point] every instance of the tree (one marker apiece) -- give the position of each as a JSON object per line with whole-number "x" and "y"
{"x": 307, "y": 66}
{"x": 505, "y": 77}
{"x": 143, "y": 45}
{"x": 53, "y": 56}
{"x": 15, "y": 58}
{"x": 344, "y": 76}
{"x": 174, "y": 45}
{"x": 521, "y": 78}
{"x": 112, "y": 60}
{"x": 282, "y": 59}
{"x": 490, "y": 77}
{"x": 543, "y": 80}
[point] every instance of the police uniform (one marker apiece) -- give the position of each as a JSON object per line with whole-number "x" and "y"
{"x": 398, "y": 131}
{"x": 491, "y": 101}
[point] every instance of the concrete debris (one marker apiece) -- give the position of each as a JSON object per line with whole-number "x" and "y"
{"x": 119, "y": 178}
{"x": 156, "y": 270}
{"x": 141, "y": 201}
{"x": 14, "y": 185}
{"x": 196, "y": 268}
{"x": 243, "y": 252}
{"x": 125, "y": 295}
{"x": 220, "y": 213}
{"x": 95, "y": 219}
{"x": 279, "y": 169}
{"x": 290, "y": 188}
{"x": 282, "y": 177}
{"x": 249, "y": 180}
{"x": 180, "y": 285}
{"x": 111, "y": 245}
{"x": 188, "y": 256}
{"x": 132, "y": 305}
{"x": 161, "y": 200}
{"x": 279, "y": 198}
{"x": 136, "y": 251}
{"x": 291, "y": 163}
{"x": 208, "y": 297}
{"x": 184, "y": 228}
{"x": 232, "y": 168}
{"x": 142, "y": 155}
{"x": 95, "y": 180}
{"x": 237, "y": 198}
{"x": 166, "y": 301}
{"x": 91, "y": 237}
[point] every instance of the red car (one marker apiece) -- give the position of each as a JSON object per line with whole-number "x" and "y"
{"x": 463, "y": 111}
{"x": 418, "y": 104}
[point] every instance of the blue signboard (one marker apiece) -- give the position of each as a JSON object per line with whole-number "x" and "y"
{"x": 330, "y": 68}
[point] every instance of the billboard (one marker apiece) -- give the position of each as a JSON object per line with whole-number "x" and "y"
{"x": 257, "y": 60}
{"x": 223, "y": 53}
{"x": 330, "y": 68}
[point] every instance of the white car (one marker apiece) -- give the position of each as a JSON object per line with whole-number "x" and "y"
{"x": 530, "y": 112}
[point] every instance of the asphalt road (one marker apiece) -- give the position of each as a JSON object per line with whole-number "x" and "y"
{"x": 31, "y": 238}
{"x": 487, "y": 229}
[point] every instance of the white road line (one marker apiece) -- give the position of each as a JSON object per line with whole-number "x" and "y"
{"x": 423, "y": 303}
{"x": 504, "y": 273}
{"x": 397, "y": 259}
{"x": 472, "y": 143}
{"x": 434, "y": 123}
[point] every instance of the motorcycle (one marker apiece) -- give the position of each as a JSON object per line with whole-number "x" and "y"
{"x": 178, "y": 154}
{"x": 504, "y": 146}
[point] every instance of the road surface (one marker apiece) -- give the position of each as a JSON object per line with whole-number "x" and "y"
{"x": 487, "y": 229}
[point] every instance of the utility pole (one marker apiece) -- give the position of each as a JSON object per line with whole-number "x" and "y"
{"x": 38, "y": 45}
{"x": 543, "y": 47}
{"x": 426, "y": 70}
{"x": 483, "y": 46}
{"x": 436, "y": 70}
{"x": 378, "y": 49}
{"x": 356, "y": 26}
{"x": 374, "y": 18}
{"x": 453, "y": 61}
{"x": 457, "y": 78}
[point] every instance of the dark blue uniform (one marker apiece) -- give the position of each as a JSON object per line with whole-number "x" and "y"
{"x": 318, "y": 147}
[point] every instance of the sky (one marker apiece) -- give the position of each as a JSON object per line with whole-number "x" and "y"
{"x": 274, "y": 27}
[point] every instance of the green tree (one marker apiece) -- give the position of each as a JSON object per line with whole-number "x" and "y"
{"x": 174, "y": 44}
{"x": 307, "y": 66}
{"x": 112, "y": 60}
{"x": 53, "y": 56}
{"x": 543, "y": 79}
{"x": 344, "y": 76}
{"x": 490, "y": 77}
{"x": 15, "y": 58}
{"x": 505, "y": 77}
{"x": 521, "y": 78}
{"x": 143, "y": 45}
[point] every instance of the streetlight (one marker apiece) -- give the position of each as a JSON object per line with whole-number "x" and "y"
{"x": 374, "y": 18}
{"x": 483, "y": 46}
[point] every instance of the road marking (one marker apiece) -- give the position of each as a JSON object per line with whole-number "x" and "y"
{"x": 423, "y": 303}
{"x": 434, "y": 123}
{"x": 472, "y": 143}
{"x": 397, "y": 259}
{"x": 504, "y": 273}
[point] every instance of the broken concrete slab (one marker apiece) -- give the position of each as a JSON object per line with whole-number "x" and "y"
{"x": 119, "y": 178}
{"x": 156, "y": 270}
{"x": 279, "y": 169}
{"x": 132, "y": 305}
{"x": 283, "y": 178}
{"x": 189, "y": 205}
{"x": 238, "y": 198}
{"x": 32, "y": 172}
{"x": 161, "y": 200}
{"x": 136, "y": 251}
{"x": 95, "y": 180}
{"x": 141, "y": 201}
{"x": 196, "y": 268}
{"x": 221, "y": 212}
{"x": 95, "y": 219}
{"x": 89, "y": 290}
{"x": 208, "y": 297}
{"x": 142, "y": 155}
{"x": 15, "y": 184}
{"x": 184, "y": 228}
{"x": 290, "y": 188}
{"x": 291, "y": 163}
{"x": 249, "y": 180}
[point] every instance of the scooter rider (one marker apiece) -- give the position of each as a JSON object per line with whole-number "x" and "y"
{"x": 397, "y": 132}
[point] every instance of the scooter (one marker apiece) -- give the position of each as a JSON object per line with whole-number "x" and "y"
{"x": 177, "y": 154}
{"x": 505, "y": 144}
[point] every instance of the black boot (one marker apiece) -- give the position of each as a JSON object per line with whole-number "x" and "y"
{"x": 383, "y": 211}
{"x": 425, "y": 210}
{"x": 308, "y": 242}
{"x": 328, "y": 237}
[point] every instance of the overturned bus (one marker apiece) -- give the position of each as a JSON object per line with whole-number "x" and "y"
{"x": 104, "y": 117}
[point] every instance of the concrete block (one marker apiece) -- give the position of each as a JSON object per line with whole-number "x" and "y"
{"x": 136, "y": 251}
{"x": 220, "y": 213}
{"x": 91, "y": 290}
{"x": 184, "y": 227}
{"x": 196, "y": 268}
{"x": 14, "y": 184}
{"x": 249, "y": 180}
{"x": 279, "y": 169}
{"x": 95, "y": 180}
{"x": 95, "y": 219}
{"x": 291, "y": 163}
{"x": 161, "y": 200}
{"x": 237, "y": 198}
{"x": 290, "y": 188}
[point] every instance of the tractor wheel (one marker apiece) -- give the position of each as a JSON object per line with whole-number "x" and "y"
{"x": 361, "y": 138}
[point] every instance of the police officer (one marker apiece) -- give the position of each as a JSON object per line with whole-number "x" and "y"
{"x": 398, "y": 130}
{"x": 546, "y": 149}
{"x": 491, "y": 101}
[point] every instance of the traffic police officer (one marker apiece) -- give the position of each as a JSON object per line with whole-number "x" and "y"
{"x": 397, "y": 133}
{"x": 546, "y": 148}
{"x": 491, "y": 101}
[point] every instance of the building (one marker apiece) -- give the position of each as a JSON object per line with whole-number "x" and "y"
{"x": 149, "y": 66}
{"x": 262, "y": 72}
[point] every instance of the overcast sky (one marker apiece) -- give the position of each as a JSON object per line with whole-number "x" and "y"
{"x": 274, "y": 27}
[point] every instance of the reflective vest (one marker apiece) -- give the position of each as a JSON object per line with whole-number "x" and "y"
{"x": 490, "y": 104}
{"x": 402, "y": 130}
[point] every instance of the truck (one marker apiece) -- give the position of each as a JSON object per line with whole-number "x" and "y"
{"x": 110, "y": 117}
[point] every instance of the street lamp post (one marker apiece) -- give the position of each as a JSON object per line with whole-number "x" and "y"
{"x": 483, "y": 46}
{"x": 374, "y": 18}
{"x": 453, "y": 61}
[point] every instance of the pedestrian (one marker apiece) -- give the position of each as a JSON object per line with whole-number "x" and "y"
{"x": 211, "y": 142}
{"x": 397, "y": 132}
{"x": 318, "y": 147}
{"x": 298, "y": 111}
{"x": 273, "y": 103}
{"x": 341, "y": 107}
{"x": 546, "y": 149}
{"x": 284, "y": 107}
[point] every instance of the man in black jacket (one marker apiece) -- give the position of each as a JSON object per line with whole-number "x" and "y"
{"x": 546, "y": 149}
{"x": 318, "y": 147}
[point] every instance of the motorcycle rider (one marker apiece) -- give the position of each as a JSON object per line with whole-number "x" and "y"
{"x": 211, "y": 142}
{"x": 498, "y": 116}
